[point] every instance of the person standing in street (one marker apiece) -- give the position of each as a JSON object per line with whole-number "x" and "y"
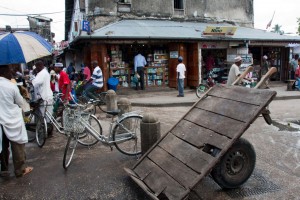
{"x": 293, "y": 66}
{"x": 180, "y": 76}
{"x": 265, "y": 68}
{"x": 234, "y": 71}
{"x": 41, "y": 84}
{"x": 297, "y": 76}
{"x": 96, "y": 79}
{"x": 139, "y": 64}
{"x": 12, "y": 127}
{"x": 64, "y": 83}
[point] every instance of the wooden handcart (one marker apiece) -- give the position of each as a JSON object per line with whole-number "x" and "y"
{"x": 206, "y": 140}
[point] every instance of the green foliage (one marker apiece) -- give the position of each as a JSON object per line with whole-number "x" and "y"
{"x": 277, "y": 29}
{"x": 298, "y": 21}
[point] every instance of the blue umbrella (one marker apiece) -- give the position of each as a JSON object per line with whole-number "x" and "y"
{"x": 22, "y": 47}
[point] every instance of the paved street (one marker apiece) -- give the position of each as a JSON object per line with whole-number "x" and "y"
{"x": 97, "y": 173}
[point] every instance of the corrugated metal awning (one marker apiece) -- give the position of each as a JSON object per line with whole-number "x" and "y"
{"x": 164, "y": 29}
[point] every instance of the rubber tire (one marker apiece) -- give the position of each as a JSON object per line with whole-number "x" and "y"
{"x": 132, "y": 146}
{"x": 49, "y": 128}
{"x": 41, "y": 131}
{"x": 223, "y": 173}
{"x": 70, "y": 150}
{"x": 87, "y": 139}
{"x": 103, "y": 104}
{"x": 201, "y": 89}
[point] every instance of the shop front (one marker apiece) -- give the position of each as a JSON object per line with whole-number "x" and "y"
{"x": 162, "y": 42}
{"x": 116, "y": 59}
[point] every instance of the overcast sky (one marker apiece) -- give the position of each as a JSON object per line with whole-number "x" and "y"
{"x": 286, "y": 13}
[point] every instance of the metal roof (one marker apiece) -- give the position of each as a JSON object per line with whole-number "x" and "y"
{"x": 165, "y": 29}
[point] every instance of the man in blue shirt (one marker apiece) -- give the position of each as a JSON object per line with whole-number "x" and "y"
{"x": 139, "y": 64}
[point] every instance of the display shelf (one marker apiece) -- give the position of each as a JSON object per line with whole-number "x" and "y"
{"x": 155, "y": 76}
{"x": 122, "y": 74}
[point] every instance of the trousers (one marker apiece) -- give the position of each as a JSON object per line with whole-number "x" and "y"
{"x": 18, "y": 155}
{"x": 140, "y": 71}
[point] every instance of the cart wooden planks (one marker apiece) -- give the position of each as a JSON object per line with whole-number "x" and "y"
{"x": 190, "y": 150}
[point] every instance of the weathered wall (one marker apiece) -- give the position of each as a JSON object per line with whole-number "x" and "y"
{"x": 239, "y": 11}
{"x": 235, "y": 11}
{"x": 153, "y": 8}
{"x": 107, "y": 7}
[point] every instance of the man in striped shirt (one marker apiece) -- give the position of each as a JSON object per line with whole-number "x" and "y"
{"x": 96, "y": 79}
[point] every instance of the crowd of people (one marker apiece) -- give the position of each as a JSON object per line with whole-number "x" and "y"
{"x": 41, "y": 82}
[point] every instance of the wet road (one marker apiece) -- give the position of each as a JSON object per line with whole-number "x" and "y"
{"x": 97, "y": 173}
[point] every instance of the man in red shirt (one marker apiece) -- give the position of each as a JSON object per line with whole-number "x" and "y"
{"x": 64, "y": 82}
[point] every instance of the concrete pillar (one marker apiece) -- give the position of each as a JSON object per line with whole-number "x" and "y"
{"x": 150, "y": 131}
{"x": 111, "y": 100}
{"x": 124, "y": 105}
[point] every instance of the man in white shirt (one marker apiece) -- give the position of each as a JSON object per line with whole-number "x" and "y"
{"x": 41, "y": 84}
{"x": 180, "y": 76}
{"x": 234, "y": 71}
{"x": 139, "y": 64}
{"x": 12, "y": 127}
{"x": 97, "y": 81}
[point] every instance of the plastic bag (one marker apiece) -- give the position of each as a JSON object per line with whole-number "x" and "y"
{"x": 135, "y": 79}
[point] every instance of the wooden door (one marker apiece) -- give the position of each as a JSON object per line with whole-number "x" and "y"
{"x": 99, "y": 52}
{"x": 193, "y": 65}
{"x": 181, "y": 48}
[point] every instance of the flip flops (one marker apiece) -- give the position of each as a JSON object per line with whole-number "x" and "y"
{"x": 27, "y": 170}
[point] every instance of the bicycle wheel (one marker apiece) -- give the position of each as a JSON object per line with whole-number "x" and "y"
{"x": 201, "y": 89}
{"x": 87, "y": 139}
{"x": 128, "y": 129}
{"x": 102, "y": 105}
{"x": 70, "y": 150}
{"x": 89, "y": 107}
{"x": 41, "y": 130}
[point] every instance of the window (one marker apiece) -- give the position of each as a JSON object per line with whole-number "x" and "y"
{"x": 124, "y": 1}
{"x": 178, "y": 4}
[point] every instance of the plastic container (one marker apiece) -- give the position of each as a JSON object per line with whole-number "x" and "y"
{"x": 112, "y": 83}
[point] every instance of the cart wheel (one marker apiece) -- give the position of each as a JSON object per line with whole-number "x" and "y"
{"x": 236, "y": 166}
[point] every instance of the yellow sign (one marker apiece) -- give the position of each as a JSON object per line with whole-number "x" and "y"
{"x": 220, "y": 30}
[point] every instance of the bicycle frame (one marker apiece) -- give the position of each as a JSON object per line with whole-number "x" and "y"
{"x": 107, "y": 140}
{"x": 53, "y": 121}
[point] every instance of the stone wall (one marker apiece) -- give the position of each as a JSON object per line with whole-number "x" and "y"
{"x": 239, "y": 12}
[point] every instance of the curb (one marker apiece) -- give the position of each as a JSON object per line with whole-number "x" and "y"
{"x": 186, "y": 103}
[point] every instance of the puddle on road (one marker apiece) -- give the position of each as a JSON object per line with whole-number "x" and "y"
{"x": 292, "y": 126}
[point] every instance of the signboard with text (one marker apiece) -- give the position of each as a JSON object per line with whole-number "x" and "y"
{"x": 219, "y": 31}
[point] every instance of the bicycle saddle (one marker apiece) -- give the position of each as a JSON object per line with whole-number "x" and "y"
{"x": 113, "y": 112}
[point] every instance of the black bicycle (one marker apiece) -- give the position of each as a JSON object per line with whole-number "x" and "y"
{"x": 35, "y": 123}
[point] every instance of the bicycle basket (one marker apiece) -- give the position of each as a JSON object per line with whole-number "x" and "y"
{"x": 72, "y": 120}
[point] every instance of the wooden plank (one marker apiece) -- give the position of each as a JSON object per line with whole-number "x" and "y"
{"x": 159, "y": 181}
{"x": 199, "y": 136}
{"x": 266, "y": 77}
{"x": 243, "y": 94}
{"x": 232, "y": 109}
{"x": 191, "y": 156}
{"x": 218, "y": 123}
{"x": 172, "y": 166}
